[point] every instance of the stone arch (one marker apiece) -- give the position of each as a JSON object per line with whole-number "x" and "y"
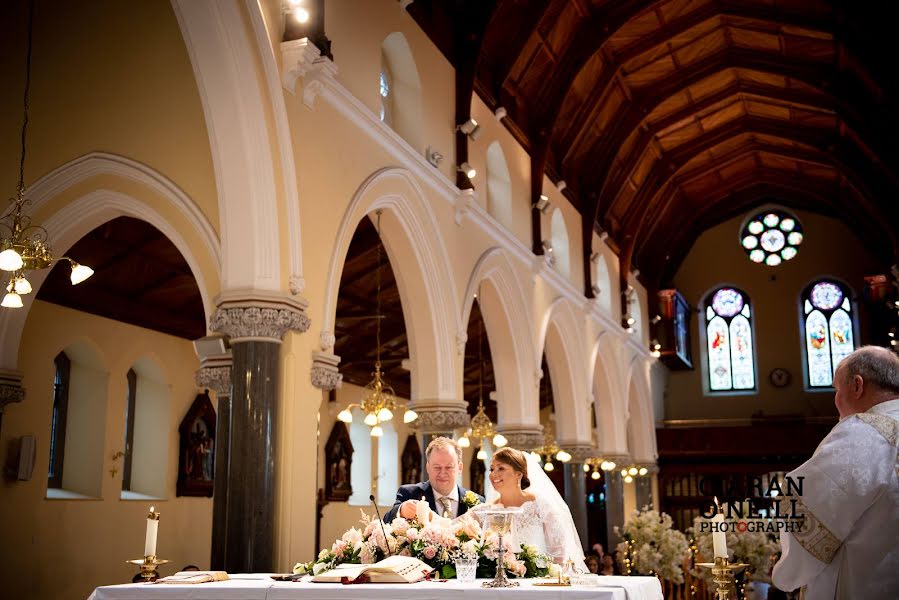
{"x": 503, "y": 307}
{"x": 560, "y": 242}
{"x": 559, "y": 333}
{"x": 640, "y": 422}
{"x": 225, "y": 67}
{"x": 610, "y": 414}
{"x": 420, "y": 263}
{"x": 195, "y": 240}
{"x": 405, "y": 109}
{"x": 499, "y": 185}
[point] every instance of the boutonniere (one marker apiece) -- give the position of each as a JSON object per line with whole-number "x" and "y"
{"x": 470, "y": 499}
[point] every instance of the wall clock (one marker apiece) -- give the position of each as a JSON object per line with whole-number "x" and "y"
{"x": 780, "y": 377}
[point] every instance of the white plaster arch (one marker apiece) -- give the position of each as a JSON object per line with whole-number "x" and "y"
{"x": 503, "y": 307}
{"x": 225, "y": 68}
{"x": 607, "y": 397}
{"x": 76, "y": 219}
{"x": 420, "y": 263}
{"x": 640, "y": 423}
{"x": 559, "y": 335}
{"x": 499, "y": 185}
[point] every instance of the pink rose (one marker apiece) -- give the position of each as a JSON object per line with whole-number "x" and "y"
{"x": 430, "y": 552}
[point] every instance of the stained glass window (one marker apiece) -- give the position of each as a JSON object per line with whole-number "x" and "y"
{"x": 385, "y": 90}
{"x": 827, "y": 316}
{"x": 771, "y": 237}
{"x": 729, "y": 341}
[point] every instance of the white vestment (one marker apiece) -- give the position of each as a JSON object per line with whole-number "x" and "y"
{"x": 849, "y": 543}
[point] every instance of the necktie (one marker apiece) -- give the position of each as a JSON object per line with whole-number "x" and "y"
{"x": 447, "y": 507}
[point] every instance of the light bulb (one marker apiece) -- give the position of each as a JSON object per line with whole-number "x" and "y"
{"x": 643, "y": 471}
{"x": 409, "y": 416}
{"x": 371, "y": 419}
{"x": 499, "y": 440}
{"x": 624, "y": 472}
{"x": 10, "y": 260}
{"x": 563, "y": 456}
{"x": 301, "y": 15}
{"x": 632, "y": 471}
{"x": 464, "y": 442}
{"x": 595, "y": 475}
{"x": 376, "y": 431}
{"x": 628, "y": 479}
{"x": 548, "y": 467}
{"x": 80, "y": 273}
{"x": 482, "y": 454}
{"x": 385, "y": 414}
{"x": 11, "y": 300}
{"x": 22, "y": 285}
{"x": 610, "y": 466}
{"x": 536, "y": 457}
{"x": 586, "y": 468}
{"x": 345, "y": 415}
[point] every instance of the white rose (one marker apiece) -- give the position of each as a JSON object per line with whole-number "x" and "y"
{"x": 319, "y": 568}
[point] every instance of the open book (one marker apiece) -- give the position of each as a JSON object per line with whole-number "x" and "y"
{"x": 393, "y": 569}
{"x": 194, "y": 577}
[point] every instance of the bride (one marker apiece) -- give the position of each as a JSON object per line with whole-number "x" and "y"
{"x": 545, "y": 520}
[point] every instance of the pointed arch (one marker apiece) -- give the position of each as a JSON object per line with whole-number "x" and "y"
{"x": 640, "y": 422}
{"x": 560, "y": 243}
{"x": 405, "y": 96}
{"x": 610, "y": 409}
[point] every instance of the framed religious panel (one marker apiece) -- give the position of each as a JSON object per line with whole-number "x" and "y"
{"x": 478, "y": 471}
{"x": 672, "y": 330}
{"x": 411, "y": 461}
{"x": 338, "y": 464}
{"x": 196, "y": 450}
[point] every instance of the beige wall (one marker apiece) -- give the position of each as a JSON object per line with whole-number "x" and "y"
{"x": 830, "y": 249}
{"x": 94, "y": 536}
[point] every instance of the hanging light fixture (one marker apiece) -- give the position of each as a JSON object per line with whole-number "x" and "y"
{"x": 379, "y": 401}
{"x": 25, "y": 247}
{"x": 481, "y": 427}
{"x": 550, "y": 449}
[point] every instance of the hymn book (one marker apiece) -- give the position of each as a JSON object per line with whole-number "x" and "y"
{"x": 195, "y": 577}
{"x": 393, "y": 569}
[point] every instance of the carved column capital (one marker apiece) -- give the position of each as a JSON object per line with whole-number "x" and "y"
{"x": 11, "y": 389}
{"x": 217, "y": 379}
{"x": 442, "y": 417}
{"x": 263, "y": 317}
{"x": 325, "y": 375}
{"x": 522, "y": 437}
{"x": 579, "y": 452}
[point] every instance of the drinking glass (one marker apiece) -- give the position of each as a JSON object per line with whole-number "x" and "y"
{"x": 466, "y": 568}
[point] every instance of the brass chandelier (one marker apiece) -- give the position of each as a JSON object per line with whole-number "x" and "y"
{"x": 379, "y": 401}
{"x": 550, "y": 450}
{"x": 481, "y": 427}
{"x": 25, "y": 247}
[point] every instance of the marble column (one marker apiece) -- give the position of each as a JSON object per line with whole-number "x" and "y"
{"x": 643, "y": 486}
{"x": 215, "y": 374}
{"x": 576, "y": 486}
{"x": 614, "y": 501}
{"x": 11, "y": 390}
{"x": 254, "y": 327}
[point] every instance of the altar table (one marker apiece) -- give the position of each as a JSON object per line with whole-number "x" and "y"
{"x": 260, "y": 587}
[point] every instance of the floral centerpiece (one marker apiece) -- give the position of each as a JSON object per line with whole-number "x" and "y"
{"x": 435, "y": 540}
{"x": 755, "y": 548}
{"x": 652, "y": 547}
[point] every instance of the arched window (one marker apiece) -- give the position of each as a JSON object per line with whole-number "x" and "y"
{"x": 827, "y": 327}
{"x": 602, "y": 283}
{"x": 560, "y": 242}
{"x": 401, "y": 106}
{"x": 499, "y": 186}
{"x": 58, "y": 420}
{"x": 728, "y": 329}
{"x": 385, "y": 87}
{"x": 144, "y": 468}
{"x": 360, "y": 471}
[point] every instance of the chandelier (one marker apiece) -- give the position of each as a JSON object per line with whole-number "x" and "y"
{"x": 550, "y": 450}
{"x": 25, "y": 247}
{"x": 481, "y": 427}
{"x": 379, "y": 401}
{"x": 596, "y": 464}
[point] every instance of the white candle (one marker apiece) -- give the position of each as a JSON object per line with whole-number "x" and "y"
{"x": 152, "y": 530}
{"x": 719, "y": 538}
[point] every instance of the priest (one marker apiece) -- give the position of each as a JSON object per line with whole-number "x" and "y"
{"x": 848, "y": 543}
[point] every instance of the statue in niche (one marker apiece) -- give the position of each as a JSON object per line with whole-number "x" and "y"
{"x": 411, "y": 461}
{"x": 338, "y": 464}
{"x": 196, "y": 450}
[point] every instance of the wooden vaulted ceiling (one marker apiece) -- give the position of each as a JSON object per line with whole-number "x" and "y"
{"x": 666, "y": 117}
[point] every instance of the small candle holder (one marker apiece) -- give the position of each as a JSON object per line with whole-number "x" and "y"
{"x": 148, "y": 566}
{"x": 723, "y": 572}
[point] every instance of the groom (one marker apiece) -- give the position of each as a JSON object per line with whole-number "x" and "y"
{"x": 443, "y": 461}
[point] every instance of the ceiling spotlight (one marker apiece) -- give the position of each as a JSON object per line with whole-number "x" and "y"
{"x": 470, "y": 128}
{"x": 467, "y": 169}
{"x": 434, "y": 156}
{"x": 596, "y": 289}
{"x": 547, "y": 247}
{"x": 542, "y": 204}
{"x": 561, "y": 185}
{"x": 500, "y": 113}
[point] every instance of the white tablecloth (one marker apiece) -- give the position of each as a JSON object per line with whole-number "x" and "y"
{"x": 259, "y": 587}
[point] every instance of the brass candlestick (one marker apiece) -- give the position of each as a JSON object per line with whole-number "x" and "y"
{"x": 723, "y": 575}
{"x": 148, "y": 566}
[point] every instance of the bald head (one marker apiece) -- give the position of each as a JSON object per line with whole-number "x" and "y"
{"x": 867, "y": 377}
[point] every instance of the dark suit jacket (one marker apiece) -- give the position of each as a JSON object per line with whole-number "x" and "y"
{"x": 417, "y": 491}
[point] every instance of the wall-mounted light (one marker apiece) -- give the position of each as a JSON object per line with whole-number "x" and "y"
{"x": 655, "y": 319}
{"x": 470, "y": 128}
{"x": 542, "y": 204}
{"x": 467, "y": 169}
{"x": 561, "y": 185}
{"x": 629, "y": 320}
{"x": 500, "y": 113}
{"x": 596, "y": 289}
{"x": 655, "y": 348}
{"x": 547, "y": 246}
{"x": 434, "y": 156}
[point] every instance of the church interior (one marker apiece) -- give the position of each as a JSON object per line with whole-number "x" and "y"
{"x": 634, "y": 237}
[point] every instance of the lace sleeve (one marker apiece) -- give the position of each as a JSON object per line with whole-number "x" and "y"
{"x": 554, "y": 531}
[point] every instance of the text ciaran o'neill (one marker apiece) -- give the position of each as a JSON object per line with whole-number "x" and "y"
{"x": 750, "y": 505}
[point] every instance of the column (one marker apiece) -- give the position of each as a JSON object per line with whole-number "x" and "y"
{"x": 255, "y": 327}
{"x": 11, "y": 390}
{"x": 576, "y": 487}
{"x": 215, "y": 374}
{"x": 614, "y": 501}
{"x": 643, "y": 484}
